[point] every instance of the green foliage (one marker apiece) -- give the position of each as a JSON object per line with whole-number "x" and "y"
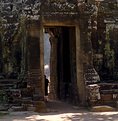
{"x": 21, "y": 27}
{"x": 3, "y": 97}
{"x": 109, "y": 53}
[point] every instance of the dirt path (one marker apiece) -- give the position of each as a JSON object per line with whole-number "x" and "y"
{"x": 59, "y": 111}
{"x": 58, "y": 106}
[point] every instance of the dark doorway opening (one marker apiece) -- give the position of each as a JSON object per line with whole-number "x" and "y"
{"x": 63, "y": 66}
{"x": 65, "y": 81}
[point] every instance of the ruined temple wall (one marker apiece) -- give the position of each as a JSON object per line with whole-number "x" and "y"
{"x": 61, "y": 13}
{"x": 35, "y": 48}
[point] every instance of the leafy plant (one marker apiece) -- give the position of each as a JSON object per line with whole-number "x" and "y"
{"x": 3, "y": 97}
{"x": 109, "y": 53}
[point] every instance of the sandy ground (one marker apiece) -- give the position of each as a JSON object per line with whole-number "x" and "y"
{"x": 59, "y": 111}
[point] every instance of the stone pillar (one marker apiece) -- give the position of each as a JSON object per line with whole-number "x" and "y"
{"x": 34, "y": 61}
{"x": 84, "y": 55}
{"x": 36, "y": 65}
{"x": 79, "y": 68}
{"x": 74, "y": 94}
{"x": 53, "y": 67}
{"x": 42, "y": 58}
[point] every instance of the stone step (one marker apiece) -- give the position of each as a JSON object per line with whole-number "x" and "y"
{"x": 110, "y": 91}
{"x": 4, "y": 107}
{"x": 103, "y": 108}
{"x": 40, "y": 106}
{"x": 16, "y": 108}
{"x": 26, "y": 100}
{"x": 7, "y": 81}
{"x": 6, "y": 85}
{"x": 112, "y": 103}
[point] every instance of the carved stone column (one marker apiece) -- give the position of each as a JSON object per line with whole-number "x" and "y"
{"x": 34, "y": 66}
{"x": 53, "y": 67}
{"x": 79, "y": 67}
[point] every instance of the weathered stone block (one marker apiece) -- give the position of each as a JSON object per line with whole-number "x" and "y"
{"x": 16, "y": 108}
{"x": 40, "y": 107}
{"x": 107, "y": 97}
{"x": 31, "y": 108}
{"x": 103, "y": 108}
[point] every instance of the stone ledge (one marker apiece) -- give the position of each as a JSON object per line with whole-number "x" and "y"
{"x": 103, "y": 108}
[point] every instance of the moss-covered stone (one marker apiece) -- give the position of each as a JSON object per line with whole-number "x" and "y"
{"x": 40, "y": 107}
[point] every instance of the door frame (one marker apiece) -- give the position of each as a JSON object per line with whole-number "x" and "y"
{"x": 79, "y": 64}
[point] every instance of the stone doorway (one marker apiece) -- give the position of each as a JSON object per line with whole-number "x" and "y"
{"x": 62, "y": 63}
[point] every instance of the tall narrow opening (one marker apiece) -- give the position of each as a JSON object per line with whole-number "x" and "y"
{"x": 61, "y": 62}
{"x": 64, "y": 64}
{"x": 47, "y": 50}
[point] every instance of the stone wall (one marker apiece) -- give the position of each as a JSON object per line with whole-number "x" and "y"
{"x": 86, "y": 16}
{"x": 34, "y": 67}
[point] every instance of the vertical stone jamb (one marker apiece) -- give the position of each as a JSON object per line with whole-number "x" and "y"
{"x": 34, "y": 60}
{"x": 79, "y": 67}
{"x": 53, "y": 67}
{"x": 36, "y": 64}
{"x": 41, "y": 41}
